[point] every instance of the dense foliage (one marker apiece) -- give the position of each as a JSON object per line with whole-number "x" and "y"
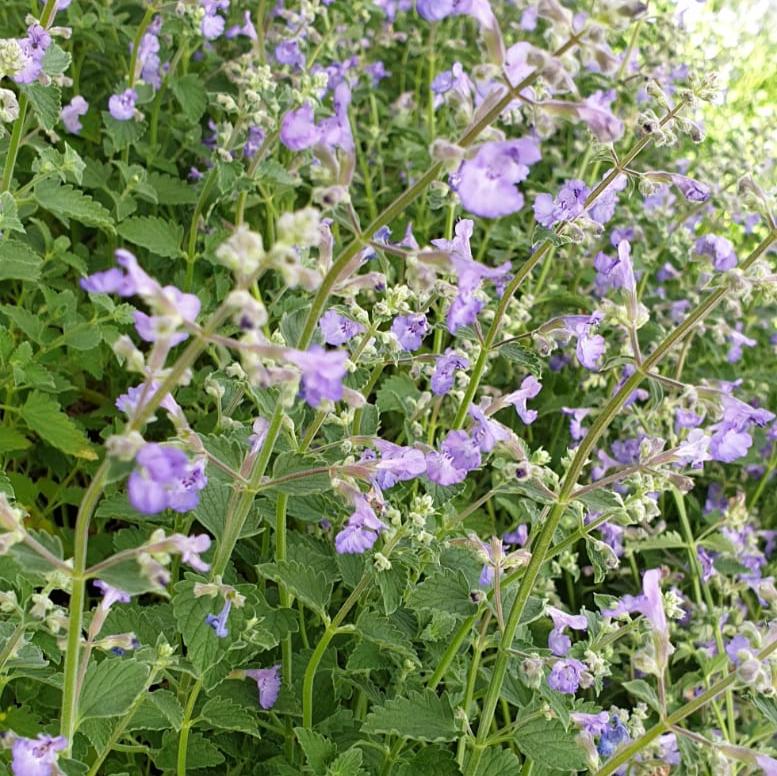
{"x": 387, "y": 388}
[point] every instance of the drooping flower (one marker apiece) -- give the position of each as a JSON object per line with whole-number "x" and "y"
{"x": 576, "y": 415}
{"x": 486, "y": 183}
{"x": 268, "y": 683}
{"x": 485, "y": 432}
{"x": 190, "y": 548}
{"x": 254, "y": 139}
{"x": 337, "y": 329}
{"x": 165, "y": 479}
{"x": 530, "y": 387}
{"x": 111, "y": 595}
{"x": 122, "y": 106}
{"x": 410, "y": 330}
{"x": 590, "y": 346}
{"x": 219, "y": 622}
{"x": 361, "y": 530}
{"x": 719, "y": 249}
{"x": 738, "y": 341}
{"x": 36, "y": 756}
{"x": 558, "y": 641}
{"x": 445, "y": 370}
{"x": 694, "y": 451}
{"x": 565, "y": 676}
{"x": 568, "y": 204}
{"x": 322, "y": 373}
{"x": 612, "y": 736}
{"x": 396, "y": 464}
{"x": 731, "y": 438}
{"x": 288, "y": 53}
{"x": 459, "y": 454}
{"x": 298, "y": 128}
{"x": 246, "y": 29}
{"x": 692, "y": 190}
{"x": 33, "y": 48}
{"x": 72, "y": 112}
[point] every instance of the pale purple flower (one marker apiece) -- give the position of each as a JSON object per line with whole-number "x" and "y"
{"x": 707, "y": 563}
{"x": 268, "y": 682}
{"x": 565, "y": 676}
{"x": 254, "y": 139}
{"x": 486, "y": 183}
{"x": 684, "y": 418}
{"x": 212, "y": 26}
{"x": 361, "y": 530}
{"x": 72, "y": 112}
{"x": 377, "y": 72}
{"x": 246, "y": 29}
{"x": 529, "y": 18}
{"x": 36, "y": 756}
{"x": 530, "y": 387}
{"x": 122, "y": 106}
{"x": 603, "y": 209}
{"x": 33, "y": 48}
{"x": 397, "y": 464}
{"x": 148, "y": 54}
{"x": 576, "y": 415}
{"x": 692, "y": 190}
{"x": 614, "y": 734}
{"x": 568, "y": 204}
{"x": 130, "y": 402}
{"x": 694, "y": 451}
{"x": 165, "y": 479}
{"x": 298, "y": 128}
{"x": 719, "y": 249}
{"x": 410, "y": 330}
{"x": 322, "y": 373}
{"x": 596, "y": 113}
{"x": 730, "y": 438}
{"x": 616, "y": 273}
{"x": 738, "y": 341}
{"x": 459, "y": 454}
{"x": 445, "y": 370}
{"x": 485, "y": 431}
{"x": 111, "y": 595}
{"x": 288, "y": 53}
{"x": 337, "y": 329}
{"x": 219, "y": 622}
{"x": 593, "y": 724}
{"x": 111, "y": 281}
{"x": 590, "y": 346}
{"x": 519, "y": 535}
{"x": 190, "y": 549}
{"x": 558, "y": 642}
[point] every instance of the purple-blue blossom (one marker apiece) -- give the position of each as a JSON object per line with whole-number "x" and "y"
{"x": 719, "y": 249}
{"x": 337, "y": 330}
{"x": 268, "y": 683}
{"x": 590, "y": 345}
{"x": 322, "y": 373}
{"x": 219, "y": 621}
{"x": 458, "y": 455}
{"x": 568, "y": 204}
{"x": 122, "y": 106}
{"x": 485, "y": 432}
{"x": 410, "y": 330}
{"x": 36, "y": 756}
{"x": 530, "y": 388}
{"x": 72, "y": 112}
{"x": 565, "y": 676}
{"x": 558, "y": 641}
{"x": 445, "y": 370}
{"x": 361, "y": 530}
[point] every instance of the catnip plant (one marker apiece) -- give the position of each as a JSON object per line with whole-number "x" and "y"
{"x": 387, "y": 389}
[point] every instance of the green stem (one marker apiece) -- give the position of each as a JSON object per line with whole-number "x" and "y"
{"x": 284, "y": 598}
{"x": 542, "y": 545}
{"x": 186, "y": 726}
{"x": 14, "y": 144}
{"x": 633, "y": 749}
{"x": 191, "y": 246}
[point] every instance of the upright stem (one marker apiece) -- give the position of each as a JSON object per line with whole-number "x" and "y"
{"x": 541, "y": 546}
{"x": 186, "y": 726}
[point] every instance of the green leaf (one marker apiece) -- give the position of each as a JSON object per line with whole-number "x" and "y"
{"x": 307, "y": 584}
{"x": 66, "y": 202}
{"x": 640, "y": 689}
{"x": 226, "y": 714}
{"x": 527, "y": 359}
{"x": 421, "y": 716}
{"x": 9, "y": 214}
{"x": 18, "y": 261}
{"x": 191, "y": 95}
{"x": 55, "y": 61}
{"x": 307, "y": 484}
{"x": 430, "y": 761}
{"x": 318, "y": 750}
{"x": 384, "y": 633}
{"x": 547, "y": 743}
{"x": 498, "y": 762}
{"x": 392, "y": 583}
{"x": 160, "y": 710}
{"x": 44, "y": 416}
{"x": 347, "y": 764}
{"x": 155, "y": 234}
{"x": 200, "y": 753}
{"x": 204, "y": 648}
{"x": 45, "y": 102}
{"x": 121, "y": 134}
{"x": 172, "y": 191}
{"x": 11, "y": 439}
{"x": 111, "y": 686}
{"x": 396, "y": 394}
{"x": 445, "y": 590}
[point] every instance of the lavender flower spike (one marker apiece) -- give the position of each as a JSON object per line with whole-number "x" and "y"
{"x": 558, "y": 642}
{"x": 122, "y": 106}
{"x": 268, "y": 682}
{"x": 410, "y": 330}
{"x": 530, "y": 387}
{"x": 36, "y": 756}
{"x": 219, "y": 622}
{"x": 459, "y": 454}
{"x": 322, "y": 373}
{"x": 337, "y": 329}
{"x": 361, "y": 531}
{"x": 445, "y": 370}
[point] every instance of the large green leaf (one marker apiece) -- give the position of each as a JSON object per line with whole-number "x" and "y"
{"x": 45, "y": 417}
{"x": 546, "y": 742}
{"x": 155, "y": 234}
{"x": 66, "y": 202}
{"x": 111, "y": 686}
{"x": 18, "y": 261}
{"x": 421, "y": 716}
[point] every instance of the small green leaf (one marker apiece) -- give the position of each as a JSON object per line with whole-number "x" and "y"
{"x": 18, "y": 261}
{"x": 66, "y": 202}
{"x": 299, "y": 475}
{"x": 45, "y": 102}
{"x": 498, "y": 762}
{"x": 547, "y": 743}
{"x": 527, "y": 359}
{"x": 111, "y": 686}
{"x": 200, "y": 753}
{"x": 160, "y": 710}
{"x": 191, "y": 95}
{"x": 347, "y": 764}
{"x": 396, "y": 394}
{"x": 9, "y": 214}
{"x": 172, "y": 191}
{"x": 226, "y": 714}
{"x": 156, "y": 235}
{"x": 45, "y": 417}
{"x": 421, "y": 716}
{"x": 55, "y": 61}
{"x": 11, "y": 439}
{"x": 318, "y": 750}
{"x": 307, "y": 584}
{"x": 640, "y": 689}
{"x": 445, "y": 590}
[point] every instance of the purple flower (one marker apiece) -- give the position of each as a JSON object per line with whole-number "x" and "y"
{"x": 719, "y": 249}
{"x": 593, "y": 724}
{"x": 33, "y": 48}
{"x": 459, "y": 454}
{"x": 603, "y": 209}
{"x": 165, "y": 479}
{"x": 692, "y": 190}
{"x": 36, "y": 756}
{"x": 590, "y": 346}
{"x": 651, "y": 605}
{"x": 410, "y": 330}
{"x": 111, "y": 281}
{"x": 617, "y": 273}
{"x": 288, "y": 53}
{"x": 337, "y": 329}
{"x": 377, "y": 72}
{"x": 484, "y": 431}
{"x": 706, "y": 561}
{"x": 731, "y": 439}
{"x": 445, "y": 370}
{"x": 361, "y": 530}
{"x": 397, "y": 464}
{"x": 245, "y": 29}
{"x": 558, "y": 642}
{"x": 148, "y": 54}
{"x": 612, "y": 737}
{"x": 190, "y": 548}
{"x": 268, "y": 682}
{"x": 254, "y": 139}
{"x": 738, "y": 341}
{"x": 595, "y": 112}
{"x": 565, "y": 676}
{"x": 212, "y": 25}
{"x": 72, "y": 112}
{"x": 694, "y": 450}
{"x": 519, "y": 536}
{"x": 111, "y": 595}
{"x": 735, "y": 645}
{"x": 219, "y": 622}
{"x": 568, "y": 204}
{"x": 122, "y": 106}
{"x": 322, "y": 373}
{"x": 298, "y": 128}
{"x": 486, "y": 183}
{"x": 575, "y": 423}
{"x": 530, "y": 387}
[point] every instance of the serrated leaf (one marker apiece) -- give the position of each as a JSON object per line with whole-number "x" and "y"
{"x": 347, "y": 764}
{"x": 111, "y": 686}
{"x": 200, "y": 753}
{"x": 445, "y": 590}
{"x": 11, "y": 439}
{"x": 160, "y": 710}
{"x": 384, "y": 633}
{"x": 66, "y": 202}
{"x": 154, "y": 234}
{"x": 421, "y": 716}
{"x": 18, "y": 261}
{"x": 45, "y": 417}
{"x": 172, "y": 191}
{"x": 121, "y": 134}
{"x": 430, "y": 761}
{"x": 546, "y": 742}
{"x": 498, "y": 762}
{"x": 226, "y": 714}
{"x": 640, "y": 689}
{"x": 45, "y": 102}
{"x": 392, "y": 584}
{"x": 318, "y": 749}
{"x": 55, "y": 61}
{"x": 525, "y": 358}
{"x": 307, "y": 584}
{"x": 306, "y": 481}
{"x": 190, "y": 93}
{"x": 9, "y": 214}
{"x": 203, "y": 646}
{"x": 395, "y": 393}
